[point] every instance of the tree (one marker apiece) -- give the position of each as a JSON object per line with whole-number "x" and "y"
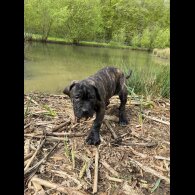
{"x": 83, "y": 20}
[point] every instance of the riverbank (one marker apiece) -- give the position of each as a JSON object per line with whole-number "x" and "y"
{"x": 37, "y": 38}
{"x": 140, "y": 163}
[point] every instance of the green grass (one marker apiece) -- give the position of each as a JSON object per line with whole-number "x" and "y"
{"x": 148, "y": 81}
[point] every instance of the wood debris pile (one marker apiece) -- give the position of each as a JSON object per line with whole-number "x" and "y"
{"x": 130, "y": 160}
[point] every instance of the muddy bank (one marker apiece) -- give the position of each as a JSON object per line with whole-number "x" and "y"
{"x": 131, "y": 160}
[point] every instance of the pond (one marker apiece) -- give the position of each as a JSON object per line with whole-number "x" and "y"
{"x": 50, "y": 67}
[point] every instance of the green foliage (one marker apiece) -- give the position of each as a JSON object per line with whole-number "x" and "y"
{"x": 146, "y": 39}
{"x": 149, "y": 81}
{"x": 162, "y": 39}
{"x": 50, "y": 111}
{"x": 135, "y": 23}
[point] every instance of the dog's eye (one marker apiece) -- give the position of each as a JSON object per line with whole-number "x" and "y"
{"x": 77, "y": 97}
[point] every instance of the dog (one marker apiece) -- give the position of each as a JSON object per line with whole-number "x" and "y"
{"x": 91, "y": 95}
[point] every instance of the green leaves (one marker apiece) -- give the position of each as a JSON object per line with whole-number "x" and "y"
{"x": 136, "y": 23}
{"x": 156, "y": 185}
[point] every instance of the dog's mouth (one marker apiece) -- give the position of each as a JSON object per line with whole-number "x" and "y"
{"x": 90, "y": 115}
{"x": 83, "y": 115}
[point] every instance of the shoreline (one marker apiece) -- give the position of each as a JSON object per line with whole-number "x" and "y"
{"x": 62, "y": 41}
{"x": 50, "y": 40}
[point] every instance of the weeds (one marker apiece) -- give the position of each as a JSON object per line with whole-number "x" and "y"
{"x": 66, "y": 148}
{"x": 149, "y": 81}
{"x": 50, "y": 111}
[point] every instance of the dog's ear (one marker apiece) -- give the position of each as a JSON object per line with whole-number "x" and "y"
{"x": 97, "y": 93}
{"x": 69, "y": 87}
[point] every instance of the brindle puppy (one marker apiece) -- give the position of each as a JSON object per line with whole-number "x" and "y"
{"x": 92, "y": 95}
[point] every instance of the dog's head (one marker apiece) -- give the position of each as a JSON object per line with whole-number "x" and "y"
{"x": 84, "y": 97}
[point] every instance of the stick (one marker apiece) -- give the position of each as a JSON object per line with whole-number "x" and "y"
{"x": 117, "y": 140}
{"x": 96, "y": 172}
{"x": 138, "y": 153}
{"x": 36, "y": 166}
{"x": 155, "y": 119}
{"x": 60, "y": 126}
{"x": 62, "y": 174}
{"x": 28, "y": 156}
{"x": 32, "y": 158}
{"x": 111, "y": 130}
{"x": 38, "y": 188}
{"x": 66, "y": 134}
{"x": 152, "y": 171}
{"x": 27, "y": 125}
{"x": 28, "y": 98}
{"x": 66, "y": 190}
{"x": 127, "y": 144}
{"x": 52, "y": 138}
{"x": 27, "y": 146}
{"x": 44, "y": 123}
{"x": 114, "y": 179}
{"x": 162, "y": 158}
{"x": 107, "y": 166}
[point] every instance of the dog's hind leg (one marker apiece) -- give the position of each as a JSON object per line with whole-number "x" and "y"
{"x": 123, "y": 98}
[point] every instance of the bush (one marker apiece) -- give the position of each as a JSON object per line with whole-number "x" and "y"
{"x": 162, "y": 39}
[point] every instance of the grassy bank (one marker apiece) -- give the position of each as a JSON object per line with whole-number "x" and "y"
{"x": 162, "y": 53}
{"x": 112, "y": 44}
{"x": 149, "y": 82}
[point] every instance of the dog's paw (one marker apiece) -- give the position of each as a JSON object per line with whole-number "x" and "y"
{"x": 123, "y": 122}
{"x": 93, "y": 139}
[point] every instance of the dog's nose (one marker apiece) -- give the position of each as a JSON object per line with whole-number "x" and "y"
{"x": 85, "y": 111}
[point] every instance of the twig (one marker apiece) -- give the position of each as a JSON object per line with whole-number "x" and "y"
{"x": 66, "y": 190}
{"x": 114, "y": 179}
{"x": 95, "y": 183}
{"x": 88, "y": 172}
{"x": 152, "y": 171}
{"x": 107, "y": 166}
{"x": 60, "y": 126}
{"x": 62, "y": 173}
{"x": 111, "y": 130}
{"x": 28, "y": 156}
{"x": 25, "y": 162}
{"x": 66, "y": 134}
{"x": 38, "y": 188}
{"x": 27, "y": 125}
{"x": 166, "y": 165}
{"x": 157, "y": 120}
{"x": 117, "y": 140}
{"x": 138, "y": 153}
{"x": 36, "y": 166}
{"x": 27, "y": 146}
{"x": 55, "y": 138}
{"x": 32, "y": 158}
{"x": 44, "y": 123}
{"x": 30, "y": 98}
{"x": 127, "y": 144}
{"x": 162, "y": 158}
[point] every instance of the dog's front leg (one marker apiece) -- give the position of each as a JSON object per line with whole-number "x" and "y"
{"x": 94, "y": 136}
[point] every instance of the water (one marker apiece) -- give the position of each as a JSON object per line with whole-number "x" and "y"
{"x": 50, "y": 67}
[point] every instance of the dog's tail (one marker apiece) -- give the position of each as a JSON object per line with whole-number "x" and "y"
{"x": 129, "y": 74}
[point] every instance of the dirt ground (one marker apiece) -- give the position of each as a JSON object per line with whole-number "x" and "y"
{"x": 133, "y": 160}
